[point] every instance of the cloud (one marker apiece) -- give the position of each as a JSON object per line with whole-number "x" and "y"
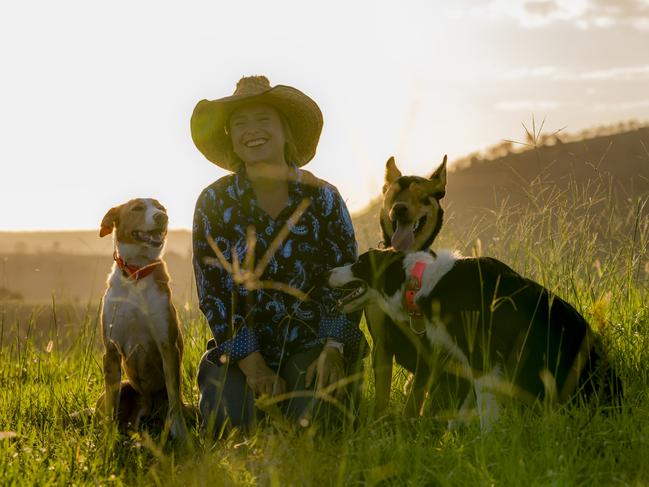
{"x": 554, "y": 73}
{"x": 630, "y": 105}
{"x": 629, "y": 73}
{"x": 545, "y": 106}
{"x": 541, "y": 8}
{"x": 527, "y": 105}
{"x": 584, "y": 14}
{"x": 605, "y": 13}
{"x": 533, "y": 13}
{"x": 528, "y": 72}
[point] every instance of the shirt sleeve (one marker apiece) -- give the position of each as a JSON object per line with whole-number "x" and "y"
{"x": 341, "y": 250}
{"x": 217, "y": 293}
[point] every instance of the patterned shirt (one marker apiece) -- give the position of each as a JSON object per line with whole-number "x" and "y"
{"x": 267, "y": 319}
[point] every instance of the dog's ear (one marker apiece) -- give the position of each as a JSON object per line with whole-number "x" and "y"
{"x": 392, "y": 173}
{"x": 109, "y": 221}
{"x": 437, "y": 181}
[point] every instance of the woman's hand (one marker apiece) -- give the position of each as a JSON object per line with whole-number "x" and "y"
{"x": 327, "y": 369}
{"x": 261, "y": 378}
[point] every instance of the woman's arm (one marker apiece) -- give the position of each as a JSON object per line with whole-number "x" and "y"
{"x": 340, "y": 249}
{"x": 216, "y": 289}
{"x": 236, "y": 342}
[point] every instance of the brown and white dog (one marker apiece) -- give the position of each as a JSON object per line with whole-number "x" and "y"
{"x": 139, "y": 322}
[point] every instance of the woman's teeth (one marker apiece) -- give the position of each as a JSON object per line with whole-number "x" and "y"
{"x": 255, "y": 142}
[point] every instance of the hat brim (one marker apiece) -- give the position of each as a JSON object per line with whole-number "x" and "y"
{"x": 210, "y": 117}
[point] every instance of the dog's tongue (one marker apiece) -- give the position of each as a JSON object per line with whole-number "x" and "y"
{"x": 403, "y": 237}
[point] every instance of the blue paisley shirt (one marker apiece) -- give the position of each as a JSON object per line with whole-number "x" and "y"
{"x": 268, "y": 320}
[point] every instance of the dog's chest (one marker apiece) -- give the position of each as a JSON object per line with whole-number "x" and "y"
{"x": 135, "y": 313}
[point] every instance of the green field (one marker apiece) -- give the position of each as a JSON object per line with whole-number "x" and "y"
{"x": 580, "y": 244}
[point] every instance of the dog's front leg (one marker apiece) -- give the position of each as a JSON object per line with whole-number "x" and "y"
{"x": 171, "y": 362}
{"x": 382, "y": 365}
{"x": 382, "y": 356}
{"x": 417, "y": 396}
{"x": 112, "y": 380}
{"x": 425, "y": 374}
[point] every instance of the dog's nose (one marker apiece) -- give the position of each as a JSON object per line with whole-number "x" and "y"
{"x": 160, "y": 218}
{"x": 399, "y": 211}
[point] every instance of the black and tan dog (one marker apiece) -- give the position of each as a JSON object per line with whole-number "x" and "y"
{"x": 411, "y": 217}
{"x": 484, "y": 325}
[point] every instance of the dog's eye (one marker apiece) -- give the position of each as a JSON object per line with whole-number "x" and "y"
{"x": 137, "y": 208}
{"x": 435, "y": 196}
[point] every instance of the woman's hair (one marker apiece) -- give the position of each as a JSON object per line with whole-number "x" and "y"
{"x": 290, "y": 149}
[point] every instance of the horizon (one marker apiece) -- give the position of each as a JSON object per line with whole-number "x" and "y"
{"x": 91, "y": 119}
{"x": 585, "y": 134}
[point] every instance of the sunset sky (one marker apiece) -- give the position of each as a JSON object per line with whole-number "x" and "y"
{"x": 96, "y": 97}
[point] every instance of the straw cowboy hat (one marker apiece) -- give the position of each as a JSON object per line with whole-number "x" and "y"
{"x": 210, "y": 118}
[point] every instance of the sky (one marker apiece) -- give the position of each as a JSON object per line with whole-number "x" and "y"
{"x": 96, "y": 97}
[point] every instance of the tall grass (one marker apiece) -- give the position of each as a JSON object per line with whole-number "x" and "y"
{"x": 582, "y": 243}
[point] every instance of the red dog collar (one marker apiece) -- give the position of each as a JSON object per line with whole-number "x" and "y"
{"x": 132, "y": 271}
{"x": 413, "y": 287}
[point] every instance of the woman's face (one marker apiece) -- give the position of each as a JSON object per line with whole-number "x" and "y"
{"x": 257, "y": 134}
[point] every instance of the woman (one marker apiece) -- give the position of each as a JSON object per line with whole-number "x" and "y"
{"x": 276, "y": 328}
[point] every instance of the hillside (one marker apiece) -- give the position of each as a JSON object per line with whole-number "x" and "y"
{"x": 81, "y": 242}
{"x": 73, "y": 265}
{"x": 612, "y": 166}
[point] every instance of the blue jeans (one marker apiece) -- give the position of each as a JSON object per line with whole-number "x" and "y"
{"x": 226, "y": 401}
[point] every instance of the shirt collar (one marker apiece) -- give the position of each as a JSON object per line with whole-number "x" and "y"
{"x": 244, "y": 190}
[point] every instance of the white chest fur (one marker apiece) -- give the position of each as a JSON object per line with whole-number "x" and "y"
{"x": 135, "y": 313}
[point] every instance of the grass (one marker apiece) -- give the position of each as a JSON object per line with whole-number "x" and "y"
{"x": 581, "y": 244}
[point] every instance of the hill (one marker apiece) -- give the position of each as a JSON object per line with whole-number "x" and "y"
{"x": 613, "y": 166}
{"x": 73, "y": 265}
{"x": 78, "y": 242}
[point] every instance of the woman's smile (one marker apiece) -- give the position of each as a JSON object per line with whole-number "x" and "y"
{"x": 256, "y": 142}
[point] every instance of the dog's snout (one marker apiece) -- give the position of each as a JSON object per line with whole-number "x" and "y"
{"x": 399, "y": 211}
{"x": 160, "y": 218}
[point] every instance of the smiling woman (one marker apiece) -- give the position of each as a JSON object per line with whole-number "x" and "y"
{"x": 274, "y": 321}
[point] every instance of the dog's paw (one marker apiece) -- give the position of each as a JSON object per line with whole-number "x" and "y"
{"x": 178, "y": 429}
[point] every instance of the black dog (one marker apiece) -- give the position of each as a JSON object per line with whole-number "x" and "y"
{"x": 482, "y": 328}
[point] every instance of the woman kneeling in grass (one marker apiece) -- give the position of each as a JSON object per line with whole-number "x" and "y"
{"x": 263, "y": 237}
